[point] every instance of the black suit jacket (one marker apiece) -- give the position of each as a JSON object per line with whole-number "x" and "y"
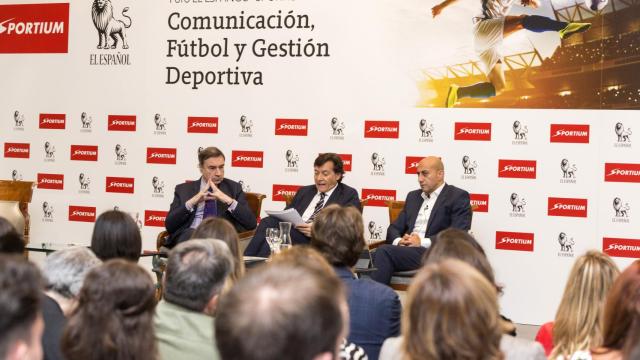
{"x": 452, "y": 209}
{"x": 179, "y": 219}
{"x": 343, "y": 195}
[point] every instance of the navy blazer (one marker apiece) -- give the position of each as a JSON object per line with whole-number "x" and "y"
{"x": 179, "y": 219}
{"x": 374, "y": 311}
{"x": 451, "y": 210}
{"x": 343, "y": 195}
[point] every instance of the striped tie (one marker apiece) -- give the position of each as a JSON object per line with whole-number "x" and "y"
{"x": 318, "y": 207}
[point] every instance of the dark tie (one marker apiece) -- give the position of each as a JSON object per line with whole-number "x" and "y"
{"x": 210, "y": 208}
{"x": 318, "y": 207}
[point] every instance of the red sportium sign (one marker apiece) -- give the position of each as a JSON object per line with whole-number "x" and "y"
{"x": 34, "y": 28}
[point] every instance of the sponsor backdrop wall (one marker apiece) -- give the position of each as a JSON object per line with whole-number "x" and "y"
{"x": 99, "y": 124}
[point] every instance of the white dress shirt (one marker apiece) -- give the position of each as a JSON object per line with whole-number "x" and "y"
{"x": 312, "y": 205}
{"x": 420, "y": 227}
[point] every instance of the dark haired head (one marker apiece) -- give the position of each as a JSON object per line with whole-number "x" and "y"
{"x": 209, "y": 152}
{"x": 221, "y": 229}
{"x": 114, "y": 317}
{"x": 338, "y": 234}
{"x": 338, "y": 166}
{"x": 116, "y": 235}
{"x": 10, "y": 240}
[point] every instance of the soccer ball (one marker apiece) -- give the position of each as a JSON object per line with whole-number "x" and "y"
{"x": 596, "y": 5}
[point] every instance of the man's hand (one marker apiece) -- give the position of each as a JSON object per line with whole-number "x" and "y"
{"x": 217, "y": 194}
{"x": 203, "y": 195}
{"x": 436, "y": 10}
{"x": 305, "y": 229}
{"x": 410, "y": 240}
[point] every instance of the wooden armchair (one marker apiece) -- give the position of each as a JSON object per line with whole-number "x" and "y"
{"x": 19, "y": 192}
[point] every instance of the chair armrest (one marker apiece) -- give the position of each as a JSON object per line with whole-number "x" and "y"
{"x": 376, "y": 244}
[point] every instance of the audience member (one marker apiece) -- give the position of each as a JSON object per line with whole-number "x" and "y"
{"x": 621, "y": 323}
{"x": 451, "y": 313}
{"x": 116, "y": 235}
{"x": 21, "y": 322}
{"x": 282, "y": 311}
{"x": 374, "y": 309}
{"x": 221, "y": 229}
{"x": 64, "y": 272}
{"x": 114, "y": 316}
{"x": 10, "y": 240}
{"x": 578, "y": 322}
{"x": 196, "y": 273}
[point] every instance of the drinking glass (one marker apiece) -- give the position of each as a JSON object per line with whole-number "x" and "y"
{"x": 285, "y": 235}
{"x": 273, "y": 239}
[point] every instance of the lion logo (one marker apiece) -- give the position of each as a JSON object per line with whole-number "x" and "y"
{"x": 49, "y": 150}
{"x": 161, "y": 123}
{"x": 16, "y": 176}
{"x": 245, "y": 124}
{"x": 158, "y": 186}
{"x": 86, "y": 120}
{"x": 47, "y": 210}
{"x": 292, "y": 159}
{"x": 121, "y": 153}
{"x": 520, "y": 131}
{"x": 468, "y": 165}
{"x": 84, "y": 181}
{"x": 621, "y": 210}
{"x": 108, "y": 26}
{"x": 378, "y": 162}
{"x": 337, "y": 126}
{"x": 623, "y": 134}
{"x": 426, "y": 130}
{"x": 517, "y": 203}
{"x": 566, "y": 243}
{"x": 375, "y": 232}
{"x": 568, "y": 170}
{"x": 18, "y": 118}
{"x": 245, "y": 187}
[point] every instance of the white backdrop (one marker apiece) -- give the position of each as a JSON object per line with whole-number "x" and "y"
{"x": 366, "y": 78}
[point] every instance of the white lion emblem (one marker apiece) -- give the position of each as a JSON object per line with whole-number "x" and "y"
{"x": 568, "y": 170}
{"x": 47, "y": 210}
{"x": 121, "y": 153}
{"x": 160, "y": 122}
{"x": 517, "y": 203}
{"x": 84, "y": 181}
{"x": 621, "y": 210}
{"x": 520, "y": 131}
{"x": 18, "y": 118}
{"x": 468, "y": 165}
{"x": 623, "y": 134}
{"x": 292, "y": 160}
{"x": 426, "y": 129}
{"x": 375, "y": 232}
{"x": 86, "y": 120}
{"x": 49, "y": 149}
{"x": 245, "y": 124}
{"x": 378, "y": 162}
{"x": 158, "y": 186}
{"x": 108, "y": 26}
{"x": 15, "y": 176}
{"x": 566, "y": 244}
{"x": 337, "y": 126}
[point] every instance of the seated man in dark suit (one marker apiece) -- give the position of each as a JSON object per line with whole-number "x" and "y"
{"x": 433, "y": 208}
{"x": 308, "y": 201}
{"x": 374, "y": 309}
{"x": 211, "y": 195}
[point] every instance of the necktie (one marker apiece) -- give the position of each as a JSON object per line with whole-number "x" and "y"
{"x": 210, "y": 208}
{"x": 318, "y": 207}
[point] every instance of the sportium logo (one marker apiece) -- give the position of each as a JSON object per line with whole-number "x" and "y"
{"x": 479, "y": 202}
{"x": 52, "y": 121}
{"x": 154, "y": 218}
{"x": 378, "y": 197}
{"x": 346, "y": 161}
{"x": 84, "y": 152}
{"x": 280, "y": 191}
{"x": 251, "y": 159}
{"x": 567, "y": 133}
{"x": 628, "y": 248}
{"x": 567, "y": 207}
{"x": 292, "y": 127}
{"x": 519, "y": 169}
{"x": 472, "y": 131}
{"x": 82, "y": 213}
{"x": 34, "y": 28}
{"x": 202, "y": 124}
{"x": 613, "y": 172}
{"x": 381, "y": 129}
{"x": 411, "y": 164}
{"x": 16, "y": 150}
{"x": 121, "y": 123}
{"x": 51, "y": 181}
{"x": 119, "y": 185}
{"x": 507, "y": 240}
{"x": 161, "y": 155}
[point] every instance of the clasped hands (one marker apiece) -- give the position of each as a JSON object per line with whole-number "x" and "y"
{"x": 212, "y": 192}
{"x": 412, "y": 239}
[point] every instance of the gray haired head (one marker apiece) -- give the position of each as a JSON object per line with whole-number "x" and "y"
{"x": 65, "y": 270}
{"x": 196, "y": 271}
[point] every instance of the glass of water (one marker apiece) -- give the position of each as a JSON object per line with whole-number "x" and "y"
{"x": 273, "y": 239}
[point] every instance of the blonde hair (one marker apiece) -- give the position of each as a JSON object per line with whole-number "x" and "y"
{"x": 578, "y": 322}
{"x": 451, "y": 313}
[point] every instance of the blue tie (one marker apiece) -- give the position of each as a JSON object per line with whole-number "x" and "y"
{"x": 210, "y": 208}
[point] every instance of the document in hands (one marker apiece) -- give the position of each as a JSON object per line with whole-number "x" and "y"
{"x": 290, "y": 215}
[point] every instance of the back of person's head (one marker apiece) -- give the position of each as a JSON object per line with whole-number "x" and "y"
{"x": 338, "y": 233}
{"x": 460, "y": 235}
{"x": 621, "y": 325}
{"x": 116, "y": 235}
{"x": 221, "y": 229}
{"x": 283, "y": 311}
{"x": 114, "y": 316}
{"x": 578, "y": 321}
{"x": 451, "y": 313}
{"x": 21, "y": 323}
{"x": 197, "y": 271}
{"x": 11, "y": 241}
{"x": 65, "y": 270}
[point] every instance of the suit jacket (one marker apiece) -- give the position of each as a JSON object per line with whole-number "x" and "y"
{"x": 452, "y": 209}
{"x": 374, "y": 312}
{"x": 179, "y": 218}
{"x": 343, "y": 195}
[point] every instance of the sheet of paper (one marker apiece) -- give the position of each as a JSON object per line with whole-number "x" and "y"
{"x": 290, "y": 215}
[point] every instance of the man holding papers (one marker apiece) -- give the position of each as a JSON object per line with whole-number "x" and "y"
{"x": 308, "y": 201}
